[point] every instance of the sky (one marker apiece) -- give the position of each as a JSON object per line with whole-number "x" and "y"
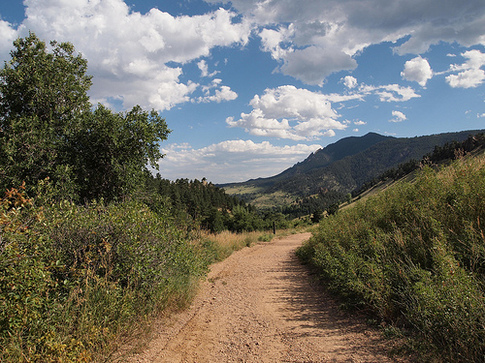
{"x": 251, "y": 87}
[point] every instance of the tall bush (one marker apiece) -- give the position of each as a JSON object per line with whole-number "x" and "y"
{"x": 72, "y": 278}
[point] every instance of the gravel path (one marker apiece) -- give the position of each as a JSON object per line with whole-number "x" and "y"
{"x": 259, "y": 305}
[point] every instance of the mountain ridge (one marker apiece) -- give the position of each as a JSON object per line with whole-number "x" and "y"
{"x": 341, "y": 167}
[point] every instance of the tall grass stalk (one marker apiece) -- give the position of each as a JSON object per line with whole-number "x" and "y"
{"x": 414, "y": 255}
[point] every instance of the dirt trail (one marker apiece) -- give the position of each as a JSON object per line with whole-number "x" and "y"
{"x": 260, "y": 306}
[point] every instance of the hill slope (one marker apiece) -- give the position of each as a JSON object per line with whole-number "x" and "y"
{"x": 340, "y": 167}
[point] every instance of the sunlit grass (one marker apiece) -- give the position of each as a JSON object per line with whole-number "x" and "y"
{"x": 414, "y": 255}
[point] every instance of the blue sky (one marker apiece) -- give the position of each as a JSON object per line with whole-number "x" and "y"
{"x": 250, "y": 87}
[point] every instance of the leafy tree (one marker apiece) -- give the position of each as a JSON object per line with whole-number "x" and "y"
{"x": 348, "y": 198}
{"x": 333, "y": 209}
{"x": 52, "y": 86}
{"x": 110, "y": 151}
{"x": 42, "y": 95}
{"x": 215, "y": 221}
{"x": 48, "y": 129}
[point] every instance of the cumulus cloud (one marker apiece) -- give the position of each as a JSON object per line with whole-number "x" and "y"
{"x": 390, "y": 93}
{"x": 290, "y": 113}
{"x": 204, "y": 69}
{"x": 398, "y": 116}
{"x": 273, "y": 41}
{"x": 294, "y": 113}
{"x": 134, "y": 58}
{"x": 221, "y": 93}
{"x": 417, "y": 70}
{"x": 334, "y": 32}
{"x": 349, "y": 81}
{"x": 138, "y": 58}
{"x": 469, "y": 74}
{"x": 225, "y": 162}
{"x": 313, "y": 64}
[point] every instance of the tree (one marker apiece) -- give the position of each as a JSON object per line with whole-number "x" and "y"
{"x": 110, "y": 152}
{"x": 48, "y": 129}
{"x": 52, "y": 86}
{"x": 42, "y": 95}
{"x": 317, "y": 216}
{"x": 333, "y": 209}
{"x": 348, "y": 198}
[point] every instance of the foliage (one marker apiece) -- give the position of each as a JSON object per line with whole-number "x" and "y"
{"x": 441, "y": 154}
{"x": 317, "y": 216}
{"x": 51, "y": 86}
{"x": 210, "y": 207}
{"x": 324, "y": 200}
{"x": 48, "y": 129}
{"x": 42, "y": 95}
{"x": 74, "y": 277}
{"x": 221, "y": 245}
{"x": 110, "y": 151}
{"x": 415, "y": 256}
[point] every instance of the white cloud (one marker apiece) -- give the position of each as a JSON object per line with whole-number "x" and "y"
{"x": 132, "y": 55}
{"x": 204, "y": 69}
{"x": 313, "y": 64}
{"x": 417, "y": 70}
{"x": 334, "y": 31}
{"x": 360, "y": 123}
{"x": 390, "y": 93}
{"x": 272, "y": 41}
{"x": 294, "y": 113}
{"x": 8, "y": 35}
{"x": 290, "y": 113}
{"x": 469, "y": 74}
{"x": 349, "y": 81}
{"x": 398, "y": 116}
{"x": 222, "y": 93}
{"x": 480, "y": 115}
{"x": 226, "y": 161}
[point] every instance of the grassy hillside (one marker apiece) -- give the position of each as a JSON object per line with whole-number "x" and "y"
{"x": 341, "y": 167}
{"x": 414, "y": 255}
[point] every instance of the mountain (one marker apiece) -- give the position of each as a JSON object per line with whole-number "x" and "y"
{"x": 340, "y": 167}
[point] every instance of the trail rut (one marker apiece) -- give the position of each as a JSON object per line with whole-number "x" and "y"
{"x": 259, "y": 305}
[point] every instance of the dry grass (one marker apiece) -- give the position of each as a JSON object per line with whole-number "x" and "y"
{"x": 225, "y": 243}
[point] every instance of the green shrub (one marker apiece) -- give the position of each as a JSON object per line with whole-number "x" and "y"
{"x": 72, "y": 278}
{"x": 415, "y": 256}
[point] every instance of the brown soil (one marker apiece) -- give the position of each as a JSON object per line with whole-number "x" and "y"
{"x": 260, "y": 305}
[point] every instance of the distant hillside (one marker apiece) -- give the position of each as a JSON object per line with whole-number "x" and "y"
{"x": 340, "y": 168}
{"x": 317, "y": 160}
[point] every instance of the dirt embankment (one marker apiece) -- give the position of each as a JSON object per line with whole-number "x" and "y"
{"x": 259, "y": 305}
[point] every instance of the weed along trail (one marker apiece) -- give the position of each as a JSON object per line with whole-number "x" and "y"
{"x": 260, "y": 306}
